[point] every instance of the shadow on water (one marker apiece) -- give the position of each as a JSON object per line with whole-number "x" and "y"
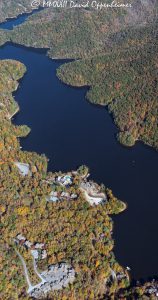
{"x": 71, "y": 132}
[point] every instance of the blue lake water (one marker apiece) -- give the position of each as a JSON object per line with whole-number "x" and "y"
{"x": 11, "y": 23}
{"x": 71, "y": 132}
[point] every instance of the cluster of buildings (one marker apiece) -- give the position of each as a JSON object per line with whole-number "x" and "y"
{"x": 65, "y": 180}
{"x": 56, "y": 196}
{"x": 91, "y": 190}
{"x": 38, "y": 250}
{"x": 55, "y": 277}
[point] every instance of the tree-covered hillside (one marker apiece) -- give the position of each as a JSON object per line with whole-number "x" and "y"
{"x": 13, "y": 8}
{"x": 76, "y": 33}
{"x": 117, "y": 49}
{"x": 126, "y": 81}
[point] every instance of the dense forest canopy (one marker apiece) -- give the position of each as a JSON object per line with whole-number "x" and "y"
{"x": 117, "y": 49}
{"x": 125, "y": 81}
{"x": 76, "y": 33}
{"x": 13, "y": 8}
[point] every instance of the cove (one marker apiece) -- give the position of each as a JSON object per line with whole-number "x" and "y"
{"x": 10, "y": 23}
{"x": 71, "y": 132}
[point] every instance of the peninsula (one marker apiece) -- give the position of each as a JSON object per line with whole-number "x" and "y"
{"x": 69, "y": 215}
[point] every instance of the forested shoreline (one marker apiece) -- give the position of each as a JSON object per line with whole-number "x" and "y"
{"x": 126, "y": 82}
{"x": 12, "y": 9}
{"x": 117, "y": 62}
{"x": 24, "y": 205}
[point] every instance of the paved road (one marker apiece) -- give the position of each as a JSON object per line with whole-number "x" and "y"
{"x": 36, "y": 271}
{"x": 30, "y": 286}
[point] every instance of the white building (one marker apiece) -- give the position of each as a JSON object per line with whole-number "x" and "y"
{"x": 35, "y": 254}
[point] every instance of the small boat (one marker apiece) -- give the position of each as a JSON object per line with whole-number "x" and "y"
{"x": 128, "y": 268}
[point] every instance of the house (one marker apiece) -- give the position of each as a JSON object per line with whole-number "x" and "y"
{"x": 53, "y": 199}
{"x": 74, "y": 196}
{"x": 65, "y": 180}
{"x": 20, "y": 237}
{"x": 44, "y": 254}
{"x": 54, "y": 194}
{"x": 65, "y": 195}
{"x": 39, "y": 246}
{"x": 28, "y": 244}
{"x": 35, "y": 254}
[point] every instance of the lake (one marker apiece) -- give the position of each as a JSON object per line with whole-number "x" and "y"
{"x": 10, "y": 23}
{"x": 72, "y": 132}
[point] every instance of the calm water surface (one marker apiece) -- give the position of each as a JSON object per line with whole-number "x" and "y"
{"x": 11, "y": 23}
{"x": 71, "y": 132}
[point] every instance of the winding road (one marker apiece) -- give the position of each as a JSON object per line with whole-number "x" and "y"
{"x": 30, "y": 286}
